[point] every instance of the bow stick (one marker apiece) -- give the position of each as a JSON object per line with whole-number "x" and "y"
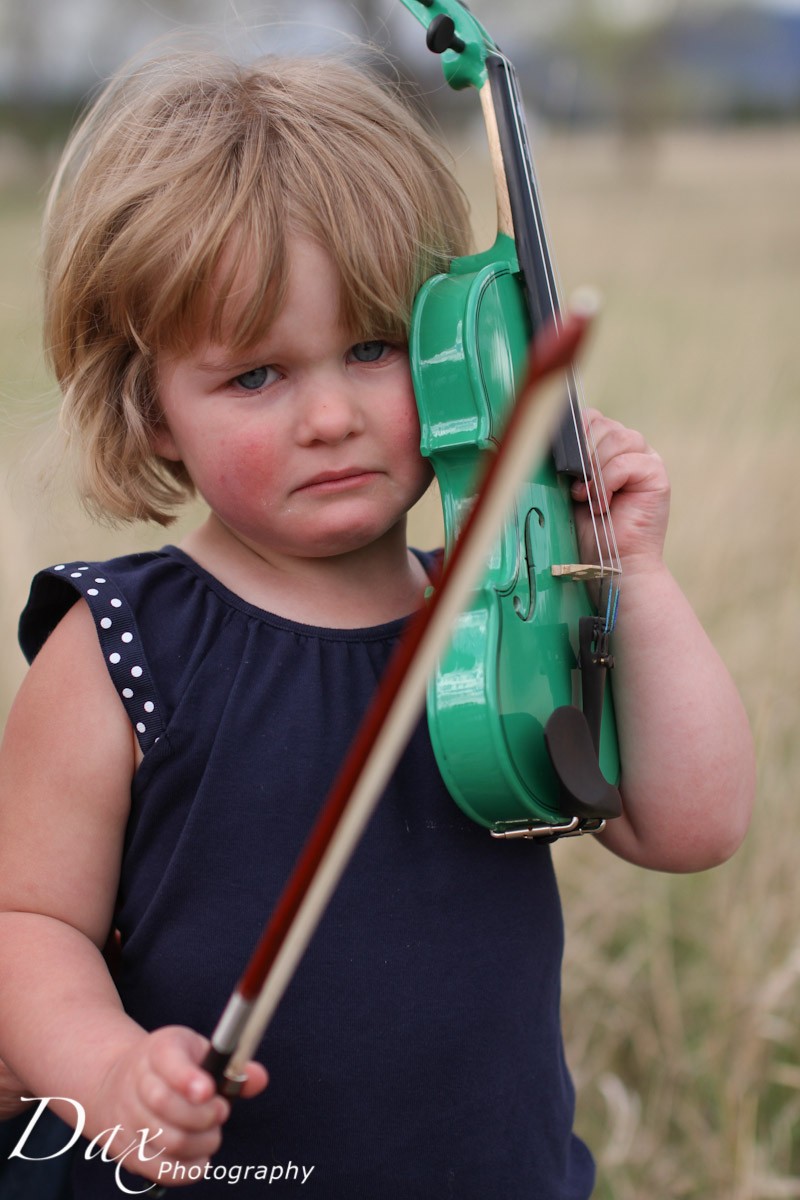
{"x": 393, "y": 713}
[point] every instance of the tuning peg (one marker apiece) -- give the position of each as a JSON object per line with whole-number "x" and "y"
{"x": 442, "y": 35}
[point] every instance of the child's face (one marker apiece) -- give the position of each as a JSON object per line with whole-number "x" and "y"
{"x": 309, "y": 446}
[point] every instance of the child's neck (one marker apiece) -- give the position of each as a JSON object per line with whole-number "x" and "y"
{"x": 378, "y": 583}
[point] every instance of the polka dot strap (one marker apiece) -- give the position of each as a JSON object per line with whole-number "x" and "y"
{"x": 121, "y": 646}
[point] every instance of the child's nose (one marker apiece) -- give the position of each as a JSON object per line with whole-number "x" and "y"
{"x": 329, "y": 413}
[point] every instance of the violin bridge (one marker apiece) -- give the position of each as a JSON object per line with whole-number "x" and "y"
{"x": 583, "y": 571}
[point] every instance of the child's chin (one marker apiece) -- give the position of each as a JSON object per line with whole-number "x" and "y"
{"x": 346, "y": 540}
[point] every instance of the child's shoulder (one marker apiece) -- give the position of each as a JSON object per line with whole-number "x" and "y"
{"x": 130, "y": 615}
{"x": 56, "y": 589}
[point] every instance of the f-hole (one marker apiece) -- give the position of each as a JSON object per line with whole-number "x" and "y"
{"x": 526, "y": 612}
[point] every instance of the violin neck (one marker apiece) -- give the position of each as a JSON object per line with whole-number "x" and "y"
{"x": 520, "y": 215}
{"x": 521, "y": 189}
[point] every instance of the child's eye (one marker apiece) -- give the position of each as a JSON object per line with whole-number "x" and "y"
{"x": 368, "y": 352}
{"x": 253, "y": 381}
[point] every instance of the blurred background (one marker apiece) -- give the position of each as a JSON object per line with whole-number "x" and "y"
{"x": 667, "y": 142}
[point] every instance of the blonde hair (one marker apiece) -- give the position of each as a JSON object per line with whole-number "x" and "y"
{"x": 190, "y": 165}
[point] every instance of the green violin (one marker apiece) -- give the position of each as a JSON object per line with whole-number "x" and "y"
{"x": 519, "y": 709}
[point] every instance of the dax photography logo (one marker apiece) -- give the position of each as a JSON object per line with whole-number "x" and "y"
{"x": 137, "y": 1150}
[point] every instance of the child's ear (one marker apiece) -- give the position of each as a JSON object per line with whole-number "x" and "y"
{"x": 162, "y": 442}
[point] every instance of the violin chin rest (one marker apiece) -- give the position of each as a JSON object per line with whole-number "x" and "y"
{"x": 585, "y": 791}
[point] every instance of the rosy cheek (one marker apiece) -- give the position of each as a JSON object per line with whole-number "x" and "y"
{"x": 406, "y": 416}
{"x": 408, "y": 433}
{"x": 245, "y": 471}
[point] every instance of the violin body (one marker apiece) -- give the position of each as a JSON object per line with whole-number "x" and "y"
{"x": 507, "y": 705}
{"x": 513, "y": 657}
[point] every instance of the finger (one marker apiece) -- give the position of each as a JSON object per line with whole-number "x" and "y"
{"x": 176, "y": 1054}
{"x": 185, "y": 1048}
{"x": 180, "y": 1144}
{"x": 592, "y": 415}
{"x": 172, "y": 1109}
{"x": 175, "y": 1086}
{"x": 635, "y": 473}
{"x": 629, "y": 472}
{"x": 257, "y": 1080}
{"x": 598, "y": 500}
{"x": 612, "y": 439}
{"x": 598, "y": 428}
{"x": 596, "y": 425}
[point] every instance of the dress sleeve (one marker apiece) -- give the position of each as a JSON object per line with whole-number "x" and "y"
{"x": 53, "y": 593}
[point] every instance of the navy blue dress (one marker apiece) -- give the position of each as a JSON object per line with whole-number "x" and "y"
{"x": 417, "y": 1052}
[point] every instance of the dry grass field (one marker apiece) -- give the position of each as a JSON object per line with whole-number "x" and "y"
{"x": 681, "y": 995}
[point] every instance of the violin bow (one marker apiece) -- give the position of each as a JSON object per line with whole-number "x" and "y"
{"x": 395, "y": 709}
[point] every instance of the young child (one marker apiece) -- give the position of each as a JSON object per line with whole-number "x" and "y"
{"x": 231, "y": 258}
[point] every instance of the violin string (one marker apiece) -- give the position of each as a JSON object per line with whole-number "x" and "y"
{"x": 607, "y": 525}
{"x": 554, "y": 296}
{"x": 592, "y": 471}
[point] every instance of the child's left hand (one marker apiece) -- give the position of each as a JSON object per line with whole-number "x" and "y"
{"x": 688, "y": 774}
{"x": 637, "y": 491}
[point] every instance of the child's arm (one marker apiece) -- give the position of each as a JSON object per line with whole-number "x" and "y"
{"x": 688, "y": 773}
{"x": 65, "y": 771}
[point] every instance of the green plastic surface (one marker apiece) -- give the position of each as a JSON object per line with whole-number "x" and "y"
{"x": 513, "y": 656}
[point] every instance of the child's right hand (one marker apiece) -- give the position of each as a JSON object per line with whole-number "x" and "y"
{"x": 11, "y": 1091}
{"x": 158, "y": 1085}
